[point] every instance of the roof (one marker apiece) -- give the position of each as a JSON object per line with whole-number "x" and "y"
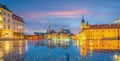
{"x": 17, "y": 18}
{"x": 4, "y": 7}
{"x": 104, "y": 26}
{"x": 67, "y": 31}
{"x": 51, "y": 31}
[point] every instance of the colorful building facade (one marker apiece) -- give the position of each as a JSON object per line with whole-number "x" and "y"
{"x": 11, "y": 25}
{"x": 100, "y": 36}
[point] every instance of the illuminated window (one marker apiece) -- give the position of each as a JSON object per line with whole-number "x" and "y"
{"x": 108, "y": 45}
{"x": 96, "y": 45}
{"x": 102, "y": 30}
{"x": 102, "y": 45}
{"x": 4, "y": 20}
{"x": 8, "y": 15}
{"x": 97, "y": 31}
{"x": 4, "y": 13}
{"x": 4, "y": 26}
{"x": 8, "y": 27}
{"x": 103, "y": 35}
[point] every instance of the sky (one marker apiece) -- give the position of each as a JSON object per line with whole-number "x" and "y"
{"x": 65, "y": 14}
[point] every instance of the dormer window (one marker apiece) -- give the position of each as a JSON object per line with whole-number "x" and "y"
{"x": 4, "y": 13}
{"x": 8, "y": 15}
{"x": 8, "y": 20}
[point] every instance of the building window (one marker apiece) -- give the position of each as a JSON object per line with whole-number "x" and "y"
{"x": 8, "y": 15}
{"x": 14, "y": 28}
{"x": 4, "y": 26}
{"x": 13, "y": 16}
{"x": 20, "y": 29}
{"x": 17, "y": 23}
{"x": 8, "y": 20}
{"x": 96, "y": 30}
{"x": 103, "y": 35}
{"x": 8, "y": 27}
{"x": 102, "y": 45}
{"x": 13, "y": 22}
{"x": 102, "y": 30}
{"x": 4, "y": 20}
{"x": 4, "y": 13}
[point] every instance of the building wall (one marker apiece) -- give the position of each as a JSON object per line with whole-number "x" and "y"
{"x": 99, "y": 33}
{"x": 98, "y": 37}
{"x": 7, "y": 26}
{"x": 6, "y": 23}
{"x": 18, "y": 26}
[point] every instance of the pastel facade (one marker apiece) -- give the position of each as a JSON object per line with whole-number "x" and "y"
{"x": 11, "y": 25}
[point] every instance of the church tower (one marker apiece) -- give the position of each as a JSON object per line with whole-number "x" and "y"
{"x": 83, "y": 24}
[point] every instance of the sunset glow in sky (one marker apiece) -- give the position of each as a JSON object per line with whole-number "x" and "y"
{"x": 63, "y": 13}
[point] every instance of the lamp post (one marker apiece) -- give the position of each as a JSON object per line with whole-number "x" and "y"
{"x": 117, "y": 21}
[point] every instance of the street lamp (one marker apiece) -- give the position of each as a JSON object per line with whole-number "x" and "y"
{"x": 117, "y": 21}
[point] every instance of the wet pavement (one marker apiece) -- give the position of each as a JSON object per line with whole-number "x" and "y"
{"x": 47, "y": 50}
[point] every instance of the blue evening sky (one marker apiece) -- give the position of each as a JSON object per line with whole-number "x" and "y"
{"x": 63, "y": 13}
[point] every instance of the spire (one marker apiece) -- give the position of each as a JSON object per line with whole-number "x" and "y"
{"x": 83, "y": 21}
{"x": 87, "y": 23}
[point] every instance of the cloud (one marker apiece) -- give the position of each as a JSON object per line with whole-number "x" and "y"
{"x": 70, "y": 12}
{"x": 39, "y": 20}
{"x": 61, "y": 14}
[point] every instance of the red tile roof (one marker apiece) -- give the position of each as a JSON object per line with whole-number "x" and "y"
{"x": 17, "y": 18}
{"x": 104, "y": 26}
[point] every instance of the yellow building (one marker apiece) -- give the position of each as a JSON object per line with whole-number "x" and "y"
{"x": 10, "y": 24}
{"x": 100, "y": 36}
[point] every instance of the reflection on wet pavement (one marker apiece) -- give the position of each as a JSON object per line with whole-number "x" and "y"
{"x": 48, "y": 50}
